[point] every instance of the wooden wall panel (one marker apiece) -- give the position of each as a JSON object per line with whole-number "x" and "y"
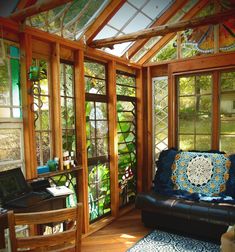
{"x": 55, "y": 103}
{"x": 140, "y": 130}
{"x": 27, "y": 100}
{"x": 41, "y": 48}
{"x": 81, "y": 134}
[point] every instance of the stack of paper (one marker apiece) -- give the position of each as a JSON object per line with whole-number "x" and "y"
{"x": 59, "y": 190}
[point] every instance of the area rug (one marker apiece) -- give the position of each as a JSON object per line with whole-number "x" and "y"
{"x": 168, "y": 242}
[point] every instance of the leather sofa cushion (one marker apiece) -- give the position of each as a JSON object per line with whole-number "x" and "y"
{"x": 217, "y": 213}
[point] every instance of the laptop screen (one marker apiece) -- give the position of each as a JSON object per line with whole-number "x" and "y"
{"x": 12, "y": 184}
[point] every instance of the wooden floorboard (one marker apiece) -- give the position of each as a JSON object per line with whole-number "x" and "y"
{"x": 117, "y": 236}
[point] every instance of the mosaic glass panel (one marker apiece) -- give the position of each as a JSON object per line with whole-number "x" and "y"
{"x": 10, "y": 100}
{"x": 41, "y": 109}
{"x": 97, "y": 140}
{"x": 126, "y": 129}
{"x": 99, "y": 190}
{"x": 67, "y": 107}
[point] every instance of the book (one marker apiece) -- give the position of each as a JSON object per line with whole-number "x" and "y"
{"x": 59, "y": 190}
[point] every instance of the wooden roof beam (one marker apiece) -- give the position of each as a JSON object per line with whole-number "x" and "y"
{"x": 164, "y": 40}
{"x": 103, "y": 19}
{"x": 160, "y": 21}
{"x": 164, "y": 29}
{"x": 38, "y": 7}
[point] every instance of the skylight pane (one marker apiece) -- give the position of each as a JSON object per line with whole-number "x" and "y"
{"x": 106, "y": 32}
{"x": 154, "y": 8}
{"x": 138, "y": 3}
{"x": 69, "y": 20}
{"x": 137, "y": 23}
{"x": 122, "y": 16}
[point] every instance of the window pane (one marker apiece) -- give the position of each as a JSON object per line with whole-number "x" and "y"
{"x": 203, "y": 124}
{"x": 186, "y": 142}
{"x": 194, "y": 118}
{"x": 227, "y": 111}
{"x": 126, "y": 116}
{"x": 97, "y": 140}
{"x": 203, "y": 143}
{"x": 42, "y": 114}
{"x": 160, "y": 86}
{"x": 99, "y": 190}
{"x": 227, "y": 143}
{"x": 187, "y": 85}
{"x": 186, "y": 124}
{"x": 10, "y": 148}
{"x": 67, "y": 107}
{"x": 4, "y": 85}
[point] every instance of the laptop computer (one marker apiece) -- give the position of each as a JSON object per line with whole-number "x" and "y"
{"x": 15, "y": 192}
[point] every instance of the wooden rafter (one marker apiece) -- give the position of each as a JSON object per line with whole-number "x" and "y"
{"x": 103, "y": 19}
{"x": 160, "y": 21}
{"x": 163, "y": 41}
{"x": 164, "y": 29}
{"x": 38, "y": 7}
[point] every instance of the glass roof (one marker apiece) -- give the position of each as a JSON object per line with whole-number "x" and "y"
{"x": 153, "y": 41}
{"x": 69, "y": 20}
{"x": 133, "y": 16}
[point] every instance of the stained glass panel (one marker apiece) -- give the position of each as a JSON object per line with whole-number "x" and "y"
{"x": 99, "y": 191}
{"x": 126, "y": 129}
{"x": 97, "y": 140}
{"x": 160, "y": 99}
{"x": 67, "y": 107}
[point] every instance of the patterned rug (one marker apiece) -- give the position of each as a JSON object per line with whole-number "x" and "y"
{"x": 167, "y": 242}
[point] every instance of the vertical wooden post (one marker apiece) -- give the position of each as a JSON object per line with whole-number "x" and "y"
{"x": 140, "y": 129}
{"x": 113, "y": 140}
{"x": 215, "y": 111}
{"x": 148, "y": 138}
{"x": 80, "y": 123}
{"x": 55, "y": 103}
{"x": 172, "y": 110}
{"x": 27, "y": 101}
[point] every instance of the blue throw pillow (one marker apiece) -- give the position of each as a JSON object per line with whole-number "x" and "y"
{"x": 230, "y": 185}
{"x": 162, "y": 180}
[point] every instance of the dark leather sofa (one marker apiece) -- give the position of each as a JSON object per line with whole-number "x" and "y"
{"x": 202, "y": 219}
{"x": 207, "y": 220}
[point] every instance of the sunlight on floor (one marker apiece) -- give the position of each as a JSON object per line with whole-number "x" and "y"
{"x": 126, "y": 236}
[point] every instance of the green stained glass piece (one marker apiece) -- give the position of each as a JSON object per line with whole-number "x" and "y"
{"x": 15, "y": 78}
{"x": 14, "y": 52}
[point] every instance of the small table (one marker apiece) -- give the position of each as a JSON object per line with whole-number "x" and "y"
{"x": 52, "y": 203}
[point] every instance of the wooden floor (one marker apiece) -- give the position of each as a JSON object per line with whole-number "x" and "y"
{"x": 117, "y": 236}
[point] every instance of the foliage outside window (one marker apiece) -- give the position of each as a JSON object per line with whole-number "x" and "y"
{"x": 41, "y": 108}
{"x": 227, "y": 112}
{"x": 160, "y": 114}
{"x": 194, "y": 112}
{"x": 97, "y": 140}
{"x": 11, "y": 126}
{"x": 168, "y": 52}
{"x": 126, "y": 115}
{"x": 67, "y": 107}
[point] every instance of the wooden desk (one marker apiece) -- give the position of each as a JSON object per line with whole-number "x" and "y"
{"x": 52, "y": 203}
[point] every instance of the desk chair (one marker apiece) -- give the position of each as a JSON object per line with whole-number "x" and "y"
{"x": 67, "y": 240}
